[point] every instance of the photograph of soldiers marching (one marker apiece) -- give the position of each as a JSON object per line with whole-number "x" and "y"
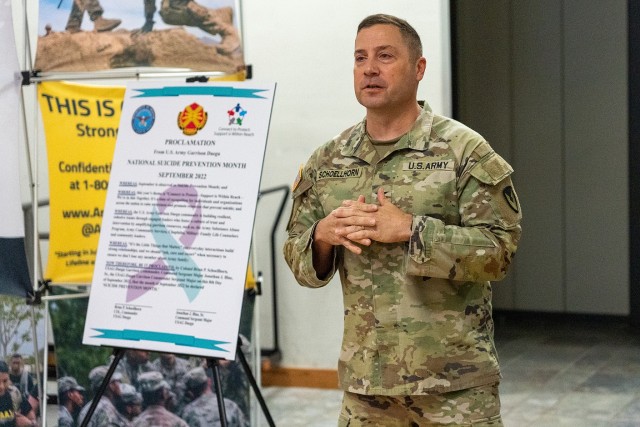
{"x": 151, "y": 389}
{"x": 145, "y": 390}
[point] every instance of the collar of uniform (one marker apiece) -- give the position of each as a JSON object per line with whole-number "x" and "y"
{"x": 418, "y": 137}
{"x": 356, "y": 146}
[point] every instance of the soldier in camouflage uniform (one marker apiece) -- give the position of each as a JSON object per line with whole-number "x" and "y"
{"x": 105, "y": 413}
{"x": 173, "y": 369}
{"x": 130, "y": 402}
{"x": 95, "y": 11}
{"x": 417, "y": 213}
{"x": 191, "y": 13}
{"x": 203, "y": 410}
{"x": 156, "y": 395}
{"x": 134, "y": 363}
{"x": 70, "y": 401}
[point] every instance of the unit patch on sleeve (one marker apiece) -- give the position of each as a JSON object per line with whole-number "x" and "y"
{"x": 296, "y": 182}
{"x": 511, "y": 198}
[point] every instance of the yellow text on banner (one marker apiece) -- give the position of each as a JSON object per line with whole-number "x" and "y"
{"x": 81, "y": 125}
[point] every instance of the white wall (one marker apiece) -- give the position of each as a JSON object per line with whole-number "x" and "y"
{"x": 307, "y": 48}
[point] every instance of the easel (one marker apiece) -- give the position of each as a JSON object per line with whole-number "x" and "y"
{"x": 189, "y": 197}
{"x": 212, "y": 362}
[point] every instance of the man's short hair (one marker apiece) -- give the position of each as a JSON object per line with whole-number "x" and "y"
{"x": 16, "y": 356}
{"x": 409, "y": 34}
{"x": 4, "y": 368}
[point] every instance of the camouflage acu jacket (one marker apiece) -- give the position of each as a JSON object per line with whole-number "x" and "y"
{"x": 417, "y": 315}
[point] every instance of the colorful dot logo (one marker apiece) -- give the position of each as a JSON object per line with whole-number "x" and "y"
{"x": 236, "y": 115}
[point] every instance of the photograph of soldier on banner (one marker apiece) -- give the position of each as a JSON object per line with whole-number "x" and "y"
{"x": 87, "y": 35}
{"x": 21, "y": 354}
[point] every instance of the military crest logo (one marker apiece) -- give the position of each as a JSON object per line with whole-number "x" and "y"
{"x": 192, "y": 119}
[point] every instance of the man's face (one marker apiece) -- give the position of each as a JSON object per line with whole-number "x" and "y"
{"x": 76, "y": 397}
{"x": 168, "y": 359}
{"x": 138, "y": 357}
{"x": 142, "y": 356}
{"x": 4, "y": 383}
{"x": 133, "y": 410}
{"x": 114, "y": 386}
{"x": 16, "y": 365}
{"x": 384, "y": 75}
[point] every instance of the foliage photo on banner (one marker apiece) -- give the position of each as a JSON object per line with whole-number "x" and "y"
{"x": 86, "y": 35}
{"x": 18, "y": 349}
{"x": 81, "y": 125}
{"x": 14, "y": 271}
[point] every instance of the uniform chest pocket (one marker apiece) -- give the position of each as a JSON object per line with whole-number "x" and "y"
{"x": 333, "y": 186}
{"x": 425, "y": 188}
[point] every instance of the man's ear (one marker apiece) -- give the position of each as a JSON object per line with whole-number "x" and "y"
{"x": 421, "y": 67}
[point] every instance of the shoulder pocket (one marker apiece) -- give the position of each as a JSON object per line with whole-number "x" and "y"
{"x": 491, "y": 169}
{"x": 301, "y": 188}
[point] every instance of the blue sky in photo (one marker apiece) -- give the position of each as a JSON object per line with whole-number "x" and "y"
{"x": 56, "y": 13}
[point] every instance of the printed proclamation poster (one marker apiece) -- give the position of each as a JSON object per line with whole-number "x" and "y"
{"x": 176, "y": 231}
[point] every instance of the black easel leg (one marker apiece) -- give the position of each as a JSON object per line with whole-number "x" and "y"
{"x": 215, "y": 367}
{"x": 254, "y": 384}
{"x": 118, "y": 353}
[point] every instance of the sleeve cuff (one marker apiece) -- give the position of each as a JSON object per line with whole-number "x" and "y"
{"x": 310, "y": 272}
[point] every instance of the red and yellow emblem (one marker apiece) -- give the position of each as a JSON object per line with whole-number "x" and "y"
{"x": 192, "y": 119}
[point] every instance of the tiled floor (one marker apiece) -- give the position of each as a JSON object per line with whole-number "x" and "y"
{"x": 578, "y": 372}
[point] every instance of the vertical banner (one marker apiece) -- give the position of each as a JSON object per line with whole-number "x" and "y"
{"x": 176, "y": 233}
{"x": 14, "y": 270}
{"x": 81, "y": 125}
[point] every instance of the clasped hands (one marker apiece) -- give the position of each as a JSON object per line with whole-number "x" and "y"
{"x": 358, "y": 223}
